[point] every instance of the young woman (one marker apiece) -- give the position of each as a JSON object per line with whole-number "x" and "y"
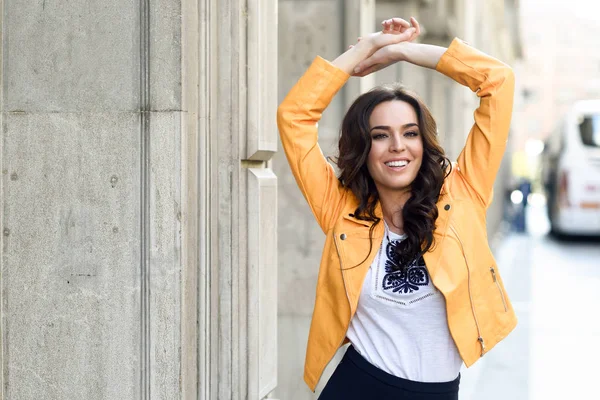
{"x": 407, "y": 276}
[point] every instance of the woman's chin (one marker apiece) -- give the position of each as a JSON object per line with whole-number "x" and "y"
{"x": 396, "y": 186}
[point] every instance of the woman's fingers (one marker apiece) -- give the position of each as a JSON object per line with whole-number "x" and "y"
{"x": 392, "y": 36}
{"x": 415, "y": 25}
{"x": 395, "y": 23}
{"x": 383, "y": 39}
{"x": 395, "y": 30}
{"x": 379, "y": 57}
{"x": 405, "y": 36}
{"x": 386, "y": 25}
{"x": 399, "y": 24}
{"x": 371, "y": 69}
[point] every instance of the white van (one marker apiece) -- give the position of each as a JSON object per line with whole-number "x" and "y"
{"x": 571, "y": 171}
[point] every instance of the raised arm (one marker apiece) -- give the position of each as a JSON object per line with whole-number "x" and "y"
{"x": 494, "y": 84}
{"x": 301, "y": 110}
{"x": 297, "y": 118}
{"x": 490, "y": 79}
{"x": 423, "y": 55}
{"x": 394, "y": 31}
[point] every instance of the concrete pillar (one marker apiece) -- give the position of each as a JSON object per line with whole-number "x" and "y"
{"x": 230, "y": 117}
{"x": 138, "y": 203}
{"x": 91, "y": 270}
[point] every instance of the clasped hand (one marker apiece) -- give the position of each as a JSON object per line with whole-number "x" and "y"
{"x": 385, "y": 46}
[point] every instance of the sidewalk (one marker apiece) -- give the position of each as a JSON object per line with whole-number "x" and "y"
{"x": 504, "y": 373}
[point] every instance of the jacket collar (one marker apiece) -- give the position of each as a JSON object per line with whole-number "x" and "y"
{"x": 351, "y": 217}
{"x": 362, "y": 225}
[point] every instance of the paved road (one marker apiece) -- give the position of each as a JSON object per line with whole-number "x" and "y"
{"x": 554, "y": 352}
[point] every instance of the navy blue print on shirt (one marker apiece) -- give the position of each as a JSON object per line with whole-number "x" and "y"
{"x": 403, "y": 280}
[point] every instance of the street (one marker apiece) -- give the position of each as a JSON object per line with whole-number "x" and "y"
{"x": 554, "y": 352}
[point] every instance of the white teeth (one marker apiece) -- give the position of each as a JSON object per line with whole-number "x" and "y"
{"x": 396, "y": 163}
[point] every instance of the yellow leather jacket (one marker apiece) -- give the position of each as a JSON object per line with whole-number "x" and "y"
{"x": 460, "y": 263}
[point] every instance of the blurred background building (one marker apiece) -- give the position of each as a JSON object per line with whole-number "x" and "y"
{"x": 560, "y": 66}
{"x": 326, "y": 28}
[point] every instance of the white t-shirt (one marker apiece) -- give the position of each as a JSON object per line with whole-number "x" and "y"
{"x": 400, "y": 324}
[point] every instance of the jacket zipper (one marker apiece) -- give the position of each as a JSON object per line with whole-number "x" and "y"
{"x": 479, "y": 337}
{"x": 499, "y": 288}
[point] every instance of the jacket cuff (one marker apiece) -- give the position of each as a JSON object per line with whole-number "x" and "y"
{"x": 453, "y": 52}
{"x": 319, "y": 84}
{"x": 327, "y": 67}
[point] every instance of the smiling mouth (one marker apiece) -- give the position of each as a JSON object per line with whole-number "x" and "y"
{"x": 397, "y": 164}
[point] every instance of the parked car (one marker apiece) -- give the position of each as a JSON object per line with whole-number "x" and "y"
{"x": 571, "y": 171}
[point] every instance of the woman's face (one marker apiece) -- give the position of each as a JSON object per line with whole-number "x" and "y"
{"x": 396, "y": 146}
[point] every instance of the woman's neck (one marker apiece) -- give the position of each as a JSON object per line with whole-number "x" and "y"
{"x": 392, "y": 204}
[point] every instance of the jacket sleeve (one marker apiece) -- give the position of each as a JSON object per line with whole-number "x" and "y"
{"x": 297, "y": 119}
{"x": 494, "y": 83}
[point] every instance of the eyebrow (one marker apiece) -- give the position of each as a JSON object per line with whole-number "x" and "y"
{"x": 387, "y": 128}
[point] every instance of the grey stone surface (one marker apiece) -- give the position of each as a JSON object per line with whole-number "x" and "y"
{"x": 262, "y": 282}
{"x": 165, "y": 253}
{"x": 96, "y": 293}
{"x": 70, "y": 265}
{"x": 261, "y": 68}
{"x": 165, "y": 55}
{"x": 72, "y": 255}
{"x": 64, "y": 55}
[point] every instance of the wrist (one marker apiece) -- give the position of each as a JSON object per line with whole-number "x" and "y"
{"x": 401, "y": 51}
{"x": 364, "y": 48}
{"x": 352, "y": 57}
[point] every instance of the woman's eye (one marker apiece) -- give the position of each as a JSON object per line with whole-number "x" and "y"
{"x": 379, "y": 136}
{"x": 411, "y": 133}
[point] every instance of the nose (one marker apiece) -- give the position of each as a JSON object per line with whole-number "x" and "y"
{"x": 397, "y": 143}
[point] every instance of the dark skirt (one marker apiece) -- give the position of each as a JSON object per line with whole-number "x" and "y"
{"x": 356, "y": 378}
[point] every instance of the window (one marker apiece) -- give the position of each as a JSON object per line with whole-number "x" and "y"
{"x": 590, "y": 130}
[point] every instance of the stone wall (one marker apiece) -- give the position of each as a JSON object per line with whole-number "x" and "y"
{"x": 139, "y": 209}
{"x": 91, "y": 256}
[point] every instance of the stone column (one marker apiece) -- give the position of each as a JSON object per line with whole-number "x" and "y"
{"x": 236, "y": 98}
{"x": 138, "y": 204}
{"x": 91, "y": 199}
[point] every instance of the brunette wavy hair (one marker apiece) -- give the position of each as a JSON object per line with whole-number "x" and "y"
{"x": 420, "y": 211}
